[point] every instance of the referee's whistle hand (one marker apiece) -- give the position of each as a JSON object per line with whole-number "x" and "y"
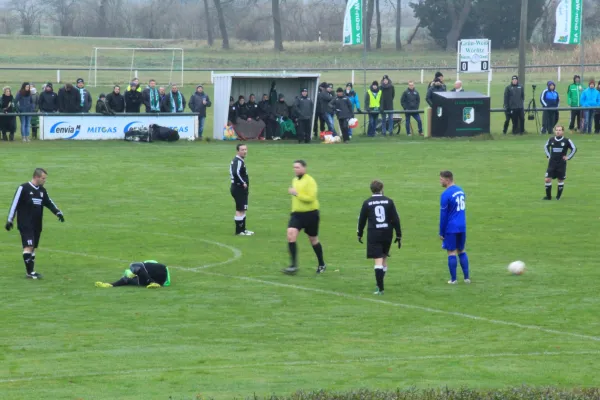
{"x": 292, "y": 191}
{"x": 8, "y": 226}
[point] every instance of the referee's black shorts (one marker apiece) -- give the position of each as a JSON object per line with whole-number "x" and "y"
{"x": 378, "y": 246}
{"x": 309, "y": 221}
{"x": 30, "y": 237}
{"x": 240, "y": 195}
{"x": 557, "y": 171}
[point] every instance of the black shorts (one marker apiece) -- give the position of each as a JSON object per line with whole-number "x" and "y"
{"x": 30, "y": 237}
{"x": 557, "y": 171}
{"x": 309, "y": 221}
{"x": 240, "y": 195}
{"x": 379, "y": 247}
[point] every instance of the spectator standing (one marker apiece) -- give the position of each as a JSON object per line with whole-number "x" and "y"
{"x": 458, "y": 87}
{"x": 373, "y": 107}
{"x": 115, "y": 102}
{"x": 574, "y": 100}
{"x": 597, "y": 115}
{"x": 353, "y": 97}
{"x": 163, "y": 94}
{"x": 85, "y": 98}
{"x": 303, "y": 111}
{"x": 439, "y": 76}
{"x": 319, "y": 125}
{"x": 267, "y": 114}
{"x": 101, "y": 107}
{"x": 133, "y": 99}
{"x": 48, "y": 100}
{"x": 8, "y": 124}
{"x": 549, "y": 99}
{"x": 437, "y": 87}
{"x": 174, "y": 102}
{"x": 388, "y": 93}
{"x": 35, "y": 119}
{"x": 411, "y": 101}
{"x": 152, "y": 97}
{"x": 589, "y": 98}
{"x": 342, "y": 107}
{"x": 514, "y": 97}
{"x": 198, "y": 103}
{"x": 323, "y": 100}
{"x": 135, "y": 81}
{"x": 24, "y": 103}
{"x": 68, "y": 99}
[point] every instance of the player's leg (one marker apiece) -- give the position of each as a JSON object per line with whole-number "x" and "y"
{"x": 311, "y": 228}
{"x": 462, "y": 256}
{"x": 292, "y": 237}
{"x": 450, "y": 246}
{"x": 548, "y": 185}
{"x": 561, "y": 176}
{"x": 28, "y": 240}
{"x": 379, "y": 274}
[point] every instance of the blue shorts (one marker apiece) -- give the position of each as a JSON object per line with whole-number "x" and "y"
{"x": 454, "y": 241}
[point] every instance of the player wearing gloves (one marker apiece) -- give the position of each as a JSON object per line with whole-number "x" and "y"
{"x": 150, "y": 274}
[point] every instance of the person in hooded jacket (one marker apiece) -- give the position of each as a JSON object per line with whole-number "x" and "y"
{"x": 8, "y": 124}
{"x": 373, "y": 107}
{"x": 353, "y": 97}
{"x": 589, "y": 98}
{"x": 549, "y": 99}
{"x": 437, "y": 86}
{"x": 198, "y": 103}
{"x": 115, "y": 102}
{"x": 574, "y": 100}
{"x": 68, "y": 99}
{"x": 343, "y": 108}
{"x": 133, "y": 99}
{"x": 303, "y": 111}
{"x": 25, "y": 103}
{"x": 101, "y": 107}
{"x": 388, "y": 94}
{"x": 48, "y": 99}
{"x": 514, "y": 96}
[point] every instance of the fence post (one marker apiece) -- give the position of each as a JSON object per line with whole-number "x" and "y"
{"x": 489, "y": 82}
{"x": 212, "y": 76}
{"x": 559, "y": 73}
{"x": 58, "y": 76}
{"x": 422, "y": 75}
{"x": 136, "y": 75}
{"x": 352, "y": 78}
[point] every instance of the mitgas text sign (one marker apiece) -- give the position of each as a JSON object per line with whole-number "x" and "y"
{"x": 111, "y": 127}
{"x": 474, "y": 55}
{"x": 460, "y": 114}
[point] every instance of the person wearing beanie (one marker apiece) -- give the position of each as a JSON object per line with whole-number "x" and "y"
{"x": 25, "y": 104}
{"x": 373, "y": 107}
{"x": 411, "y": 101}
{"x": 48, "y": 99}
{"x": 303, "y": 112}
{"x": 574, "y": 92}
{"x": 514, "y": 97}
{"x": 136, "y": 82}
{"x": 353, "y": 97}
{"x": 343, "y": 108}
{"x": 437, "y": 86}
{"x": 388, "y": 94}
{"x": 85, "y": 98}
{"x": 101, "y": 107}
{"x": 199, "y": 101}
{"x": 438, "y": 76}
{"x": 115, "y": 102}
{"x": 8, "y": 124}
{"x": 323, "y": 99}
{"x": 151, "y": 97}
{"x": 589, "y": 98}
{"x": 549, "y": 99}
{"x": 133, "y": 99}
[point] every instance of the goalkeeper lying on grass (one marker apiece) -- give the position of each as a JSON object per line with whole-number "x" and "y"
{"x": 149, "y": 273}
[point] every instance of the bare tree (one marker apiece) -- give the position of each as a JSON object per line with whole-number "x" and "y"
{"x": 63, "y": 13}
{"x": 458, "y": 12}
{"x": 277, "y": 38}
{"x": 30, "y": 13}
{"x": 370, "y": 10}
{"x": 222, "y": 25}
{"x": 208, "y": 24}
{"x": 378, "y": 19}
{"x": 398, "y": 24}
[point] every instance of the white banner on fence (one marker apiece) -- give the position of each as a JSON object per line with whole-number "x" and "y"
{"x": 111, "y": 127}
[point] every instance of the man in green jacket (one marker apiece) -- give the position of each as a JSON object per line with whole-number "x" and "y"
{"x": 573, "y": 99}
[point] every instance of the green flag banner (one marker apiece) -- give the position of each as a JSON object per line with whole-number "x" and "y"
{"x": 568, "y": 22}
{"x": 353, "y": 23}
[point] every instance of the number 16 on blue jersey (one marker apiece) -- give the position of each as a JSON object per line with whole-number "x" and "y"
{"x": 452, "y": 211}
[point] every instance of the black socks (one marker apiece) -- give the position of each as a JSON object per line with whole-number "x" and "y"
{"x": 561, "y": 186}
{"x": 293, "y": 253}
{"x": 29, "y": 260}
{"x": 240, "y": 224}
{"x": 379, "y": 274}
{"x": 549, "y": 190}
{"x": 319, "y": 252}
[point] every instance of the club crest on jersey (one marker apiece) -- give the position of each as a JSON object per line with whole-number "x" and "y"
{"x": 562, "y": 144}
{"x": 468, "y": 115}
{"x": 439, "y": 112}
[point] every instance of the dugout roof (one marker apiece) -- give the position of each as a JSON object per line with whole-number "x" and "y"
{"x": 245, "y": 83}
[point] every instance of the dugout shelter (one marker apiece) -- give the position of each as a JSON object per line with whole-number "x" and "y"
{"x": 244, "y": 83}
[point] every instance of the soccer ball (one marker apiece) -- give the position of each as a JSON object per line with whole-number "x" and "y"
{"x": 516, "y": 267}
{"x": 191, "y": 139}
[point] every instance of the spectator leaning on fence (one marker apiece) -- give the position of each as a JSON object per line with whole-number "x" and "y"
{"x": 549, "y": 99}
{"x": 48, "y": 100}
{"x": 411, "y": 100}
{"x": 388, "y": 94}
{"x": 8, "y": 124}
{"x": 198, "y": 103}
{"x": 151, "y": 97}
{"x": 25, "y": 104}
{"x": 85, "y": 98}
{"x": 174, "y": 102}
{"x": 373, "y": 107}
{"x": 514, "y": 96}
{"x": 133, "y": 98}
{"x": 353, "y": 97}
{"x": 35, "y": 119}
{"x": 136, "y": 82}
{"x": 573, "y": 100}
{"x": 115, "y": 102}
{"x": 589, "y": 98}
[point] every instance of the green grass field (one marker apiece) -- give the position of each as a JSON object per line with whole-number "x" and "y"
{"x": 232, "y": 325}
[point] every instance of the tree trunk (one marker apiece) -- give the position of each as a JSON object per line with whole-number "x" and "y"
{"x": 412, "y": 36}
{"x": 398, "y": 24}
{"x": 222, "y": 25}
{"x": 277, "y": 37}
{"x": 458, "y": 21}
{"x": 209, "y": 31}
{"x": 378, "y": 19}
{"x": 367, "y": 33}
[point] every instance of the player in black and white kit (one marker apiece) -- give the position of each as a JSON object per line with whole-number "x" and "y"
{"x": 240, "y": 185}
{"x": 557, "y": 151}
{"x": 28, "y": 206}
{"x": 381, "y": 214}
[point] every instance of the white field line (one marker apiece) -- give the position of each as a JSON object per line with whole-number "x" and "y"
{"x": 208, "y": 367}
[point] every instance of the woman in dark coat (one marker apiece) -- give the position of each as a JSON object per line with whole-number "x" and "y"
{"x": 8, "y": 124}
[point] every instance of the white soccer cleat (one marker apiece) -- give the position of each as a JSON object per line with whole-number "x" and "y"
{"x": 467, "y": 281}
{"x": 248, "y": 233}
{"x": 451, "y": 282}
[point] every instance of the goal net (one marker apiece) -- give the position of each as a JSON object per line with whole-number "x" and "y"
{"x": 119, "y": 65}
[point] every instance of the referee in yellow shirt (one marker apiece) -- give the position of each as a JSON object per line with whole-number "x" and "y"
{"x": 305, "y": 215}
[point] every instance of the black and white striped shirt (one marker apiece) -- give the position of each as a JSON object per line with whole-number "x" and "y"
{"x": 238, "y": 173}
{"x": 28, "y": 206}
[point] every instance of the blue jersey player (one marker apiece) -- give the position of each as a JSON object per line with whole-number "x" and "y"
{"x": 453, "y": 226}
